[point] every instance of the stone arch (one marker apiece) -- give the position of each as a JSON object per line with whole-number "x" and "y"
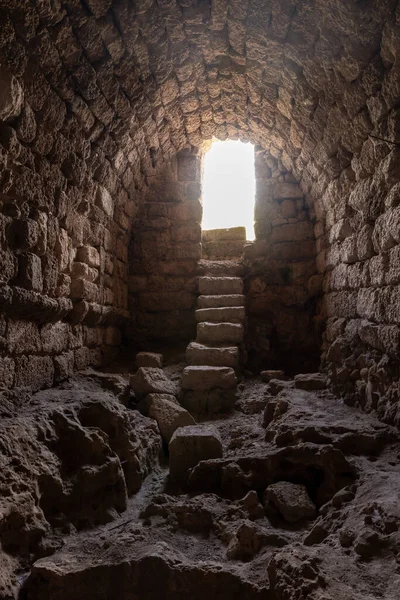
{"x": 99, "y": 95}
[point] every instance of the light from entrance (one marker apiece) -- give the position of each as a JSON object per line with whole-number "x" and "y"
{"x": 229, "y": 187}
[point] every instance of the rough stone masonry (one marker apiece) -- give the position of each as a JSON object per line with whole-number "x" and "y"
{"x": 106, "y": 110}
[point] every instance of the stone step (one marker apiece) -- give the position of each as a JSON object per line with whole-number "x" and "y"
{"x": 227, "y": 314}
{"x": 208, "y": 378}
{"x": 219, "y": 333}
{"x": 220, "y": 250}
{"x": 221, "y": 301}
{"x": 220, "y": 268}
{"x": 219, "y": 235}
{"x": 220, "y": 285}
{"x": 223, "y": 356}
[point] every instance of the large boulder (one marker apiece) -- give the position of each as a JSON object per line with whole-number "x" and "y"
{"x": 169, "y": 415}
{"x": 149, "y": 380}
{"x": 190, "y": 445}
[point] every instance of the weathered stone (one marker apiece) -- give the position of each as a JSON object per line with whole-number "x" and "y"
{"x": 190, "y": 445}
{"x": 220, "y": 285}
{"x": 149, "y": 380}
{"x": 219, "y": 333}
{"x": 149, "y": 359}
{"x": 234, "y": 314}
{"x": 220, "y": 301}
{"x": 233, "y": 233}
{"x": 207, "y": 378}
{"x": 224, "y": 356}
{"x": 11, "y": 95}
{"x": 169, "y": 416}
{"x": 310, "y": 381}
{"x": 291, "y": 500}
{"x": 271, "y": 374}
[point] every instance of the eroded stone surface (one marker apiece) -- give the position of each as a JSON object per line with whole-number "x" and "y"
{"x": 169, "y": 416}
{"x": 204, "y": 378}
{"x": 190, "y": 445}
{"x": 150, "y": 380}
{"x": 291, "y": 500}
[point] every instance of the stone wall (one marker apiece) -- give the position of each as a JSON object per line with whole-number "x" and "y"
{"x": 164, "y": 250}
{"x": 97, "y": 93}
{"x": 282, "y": 285}
{"x": 361, "y": 283}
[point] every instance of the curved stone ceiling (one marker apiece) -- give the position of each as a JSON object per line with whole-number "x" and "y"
{"x": 301, "y": 78}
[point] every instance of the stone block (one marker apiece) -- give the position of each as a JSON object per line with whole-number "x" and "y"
{"x": 228, "y": 314}
{"x": 88, "y": 255}
{"x": 81, "y": 358}
{"x": 55, "y": 337}
{"x": 150, "y": 380}
{"x": 11, "y": 95}
{"x": 83, "y": 290}
{"x": 7, "y": 371}
{"x": 280, "y": 191}
{"x": 208, "y": 402}
{"x": 169, "y": 415}
{"x": 23, "y": 234}
{"x": 189, "y": 167}
{"x": 221, "y": 301}
{"x": 81, "y": 270}
{"x": 34, "y": 372}
{"x": 104, "y": 200}
{"x": 222, "y": 356}
{"x": 63, "y": 366}
{"x": 291, "y": 500}
{"x": 30, "y": 272}
{"x": 220, "y": 235}
{"x": 208, "y": 378}
{"x": 272, "y": 374}
{"x": 149, "y": 359}
{"x": 220, "y": 333}
{"x": 292, "y": 232}
{"x": 220, "y": 285}
{"x": 23, "y": 337}
{"x": 219, "y": 250}
{"x": 190, "y": 445}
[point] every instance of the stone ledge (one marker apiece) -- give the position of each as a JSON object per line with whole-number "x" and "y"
{"x": 26, "y": 304}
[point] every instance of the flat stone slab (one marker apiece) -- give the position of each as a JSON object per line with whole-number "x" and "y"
{"x": 224, "y": 356}
{"x": 227, "y": 314}
{"x": 208, "y": 378}
{"x": 220, "y": 285}
{"x": 310, "y": 381}
{"x": 221, "y": 301}
{"x": 220, "y": 268}
{"x": 218, "y": 235}
{"x": 219, "y": 333}
{"x": 222, "y": 250}
{"x": 190, "y": 445}
{"x": 149, "y": 380}
{"x": 291, "y": 500}
{"x": 272, "y": 374}
{"x": 169, "y": 415}
{"x": 149, "y": 359}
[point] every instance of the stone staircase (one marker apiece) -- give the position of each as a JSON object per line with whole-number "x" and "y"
{"x": 209, "y": 382}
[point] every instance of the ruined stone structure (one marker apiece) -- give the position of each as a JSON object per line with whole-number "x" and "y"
{"x": 106, "y": 110}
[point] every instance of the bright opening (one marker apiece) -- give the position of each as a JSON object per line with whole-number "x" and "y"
{"x": 229, "y": 187}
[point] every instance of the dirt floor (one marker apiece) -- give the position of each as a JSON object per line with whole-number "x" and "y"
{"x": 88, "y": 509}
